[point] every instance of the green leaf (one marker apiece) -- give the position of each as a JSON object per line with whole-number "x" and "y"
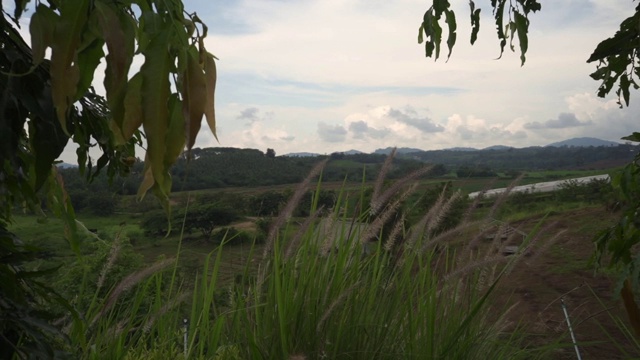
{"x": 633, "y": 137}
{"x": 64, "y": 74}
{"x": 498, "y": 13}
{"x": 194, "y": 93}
{"x": 211, "y": 77}
{"x": 522, "y": 26}
{"x": 451, "y": 39}
{"x": 42, "y": 27}
{"x": 119, "y": 35}
{"x": 175, "y": 139}
{"x": 475, "y": 21}
{"x": 132, "y": 107}
{"x": 88, "y": 60}
{"x": 624, "y": 87}
{"x": 155, "y": 96}
{"x": 47, "y": 141}
{"x": 420, "y": 38}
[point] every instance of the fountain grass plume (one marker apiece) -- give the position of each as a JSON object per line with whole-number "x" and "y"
{"x": 304, "y": 227}
{"x": 382, "y": 175}
{"x": 286, "y": 212}
{"x": 504, "y": 196}
{"x": 111, "y": 259}
{"x": 128, "y": 282}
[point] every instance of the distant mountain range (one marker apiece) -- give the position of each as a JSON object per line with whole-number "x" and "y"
{"x": 584, "y": 142}
{"x": 574, "y": 142}
{"x": 65, "y": 165}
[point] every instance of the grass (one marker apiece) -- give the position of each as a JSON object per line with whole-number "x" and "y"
{"x": 310, "y": 292}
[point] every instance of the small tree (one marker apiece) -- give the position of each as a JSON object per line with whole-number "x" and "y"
{"x": 208, "y": 218}
{"x": 271, "y": 153}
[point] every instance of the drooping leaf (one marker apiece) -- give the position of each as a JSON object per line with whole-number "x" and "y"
{"x": 451, "y": 39}
{"x": 176, "y": 133}
{"x": 624, "y": 88}
{"x": 194, "y": 93}
{"x": 20, "y": 5}
{"x": 42, "y": 28}
{"x": 147, "y": 179}
{"x": 475, "y": 21}
{"x": 47, "y": 143}
{"x": 119, "y": 35}
{"x": 132, "y": 107}
{"x": 498, "y": 13}
{"x": 155, "y": 96}
{"x": 633, "y": 137}
{"x": 64, "y": 73}
{"x": 522, "y": 27}
{"x": 88, "y": 59}
{"x": 211, "y": 76}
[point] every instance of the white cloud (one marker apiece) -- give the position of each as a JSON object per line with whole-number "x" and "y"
{"x": 313, "y": 74}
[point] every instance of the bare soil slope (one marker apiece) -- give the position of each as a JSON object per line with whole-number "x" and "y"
{"x": 538, "y": 282}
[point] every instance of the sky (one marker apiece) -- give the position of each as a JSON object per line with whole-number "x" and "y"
{"x": 333, "y": 75}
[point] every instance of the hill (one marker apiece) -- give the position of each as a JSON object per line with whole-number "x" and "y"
{"x": 584, "y": 142}
{"x": 400, "y": 150}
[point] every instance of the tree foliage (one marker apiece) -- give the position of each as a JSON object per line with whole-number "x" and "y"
{"x": 516, "y": 14}
{"x": 617, "y": 59}
{"x": 45, "y": 101}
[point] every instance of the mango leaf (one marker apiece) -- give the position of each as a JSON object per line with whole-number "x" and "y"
{"x": 451, "y": 39}
{"x": 633, "y": 137}
{"x": 522, "y": 27}
{"x": 119, "y": 35}
{"x": 194, "y": 93}
{"x": 132, "y": 107}
{"x": 47, "y": 141}
{"x": 176, "y": 133}
{"x": 211, "y": 75}
{"x": 65, "y": 75}
{"x": 498, "y": 13}
{"x": 475, "y": 21}
{"x": 20, "y": 6}
{"x": 624, "y": 88}
{"x": 147, "y": 179}
{"x": 41, "y": 28}
{"x": 88, "y": 59}
{"x": 155, "y": 96}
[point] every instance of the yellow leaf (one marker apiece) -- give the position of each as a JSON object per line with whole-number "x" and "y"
{"x": 211, "y": 75}
{"x": 132, "y": 107}
{"x": 194, "y": 93}
{"x": 42, "y": 26}
{"x": 147, "y": 180}
{"x": 118, "y": 33}
{"x": 64, "y": 73}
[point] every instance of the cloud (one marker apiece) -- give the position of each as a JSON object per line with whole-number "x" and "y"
{"x": 564, "y": 120}
{"x": 476, "y": 132}
{"x": 423, "y": 124}
{"x": 330, "y": 133}
{"x": 250, "y": 114}
{"x": 361, "y": 130}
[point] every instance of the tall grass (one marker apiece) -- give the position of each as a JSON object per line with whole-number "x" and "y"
{"x": 366, "y": 286}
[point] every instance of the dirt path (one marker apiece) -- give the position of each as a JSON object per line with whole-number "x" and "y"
{"x": 538, "y": 282}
